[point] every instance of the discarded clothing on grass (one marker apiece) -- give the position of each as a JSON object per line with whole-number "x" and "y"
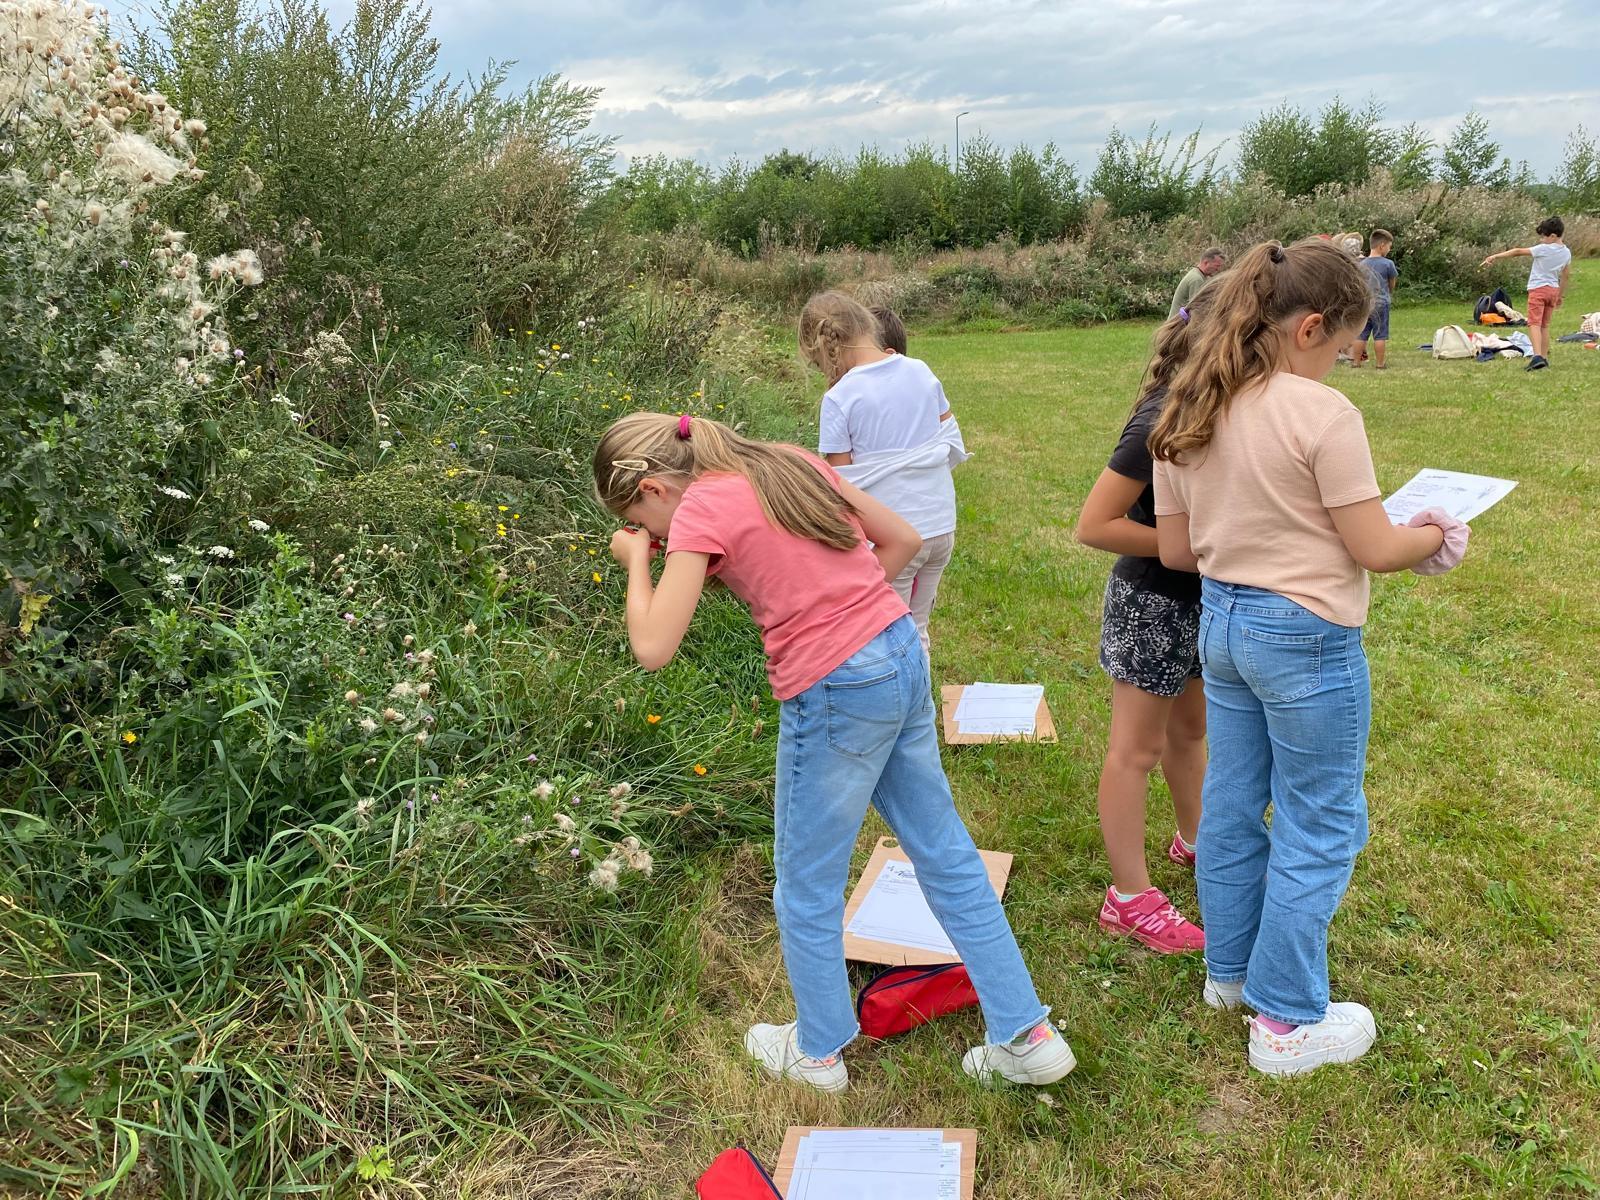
{"x": 1492, "y": 345}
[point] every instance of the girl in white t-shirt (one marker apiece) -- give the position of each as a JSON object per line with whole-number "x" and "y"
{"x": 887, "y": 427}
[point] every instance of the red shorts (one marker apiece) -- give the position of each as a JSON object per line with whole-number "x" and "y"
{"x": 1541, "y": 303}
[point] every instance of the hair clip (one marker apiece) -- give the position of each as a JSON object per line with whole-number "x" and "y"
{"x": 683, "y": 427}
{"x": 630, "y": 464}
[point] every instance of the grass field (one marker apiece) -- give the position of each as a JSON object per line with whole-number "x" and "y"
{"x": 1470, "y": 928}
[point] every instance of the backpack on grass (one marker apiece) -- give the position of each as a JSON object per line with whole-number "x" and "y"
{"x": 1451, "y": 341}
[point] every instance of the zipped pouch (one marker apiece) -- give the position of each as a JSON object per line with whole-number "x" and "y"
{"x": 736, "y": 1175}
{"x": 901, "y": 998}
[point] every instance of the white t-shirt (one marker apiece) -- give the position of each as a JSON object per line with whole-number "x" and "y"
{"x": 893, "y": 404}
{"x": 1549, "y": 259}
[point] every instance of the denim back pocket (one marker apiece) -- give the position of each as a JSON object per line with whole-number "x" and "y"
{"x": 1282, "y": 666}
{"x": 863, "y": 715}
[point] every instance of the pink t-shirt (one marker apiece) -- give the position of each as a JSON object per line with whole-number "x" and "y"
{"x": 815, "y": 606}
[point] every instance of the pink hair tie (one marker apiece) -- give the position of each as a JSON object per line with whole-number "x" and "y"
{"x": 683, "y": 426}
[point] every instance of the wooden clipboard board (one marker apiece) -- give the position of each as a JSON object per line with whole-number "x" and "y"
{"x": 791, "y": 1147}
{"x": 1044, "y": 725}
{"x": 859, "y": 949}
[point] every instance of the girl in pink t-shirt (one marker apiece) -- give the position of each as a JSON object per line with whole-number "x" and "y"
{"x": 812, "y": 557}
{"x": 1264, "y": 484}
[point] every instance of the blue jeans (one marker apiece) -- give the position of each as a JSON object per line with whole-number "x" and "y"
{"x": 865, "y": 735}
{"x": 1288, "y": 706}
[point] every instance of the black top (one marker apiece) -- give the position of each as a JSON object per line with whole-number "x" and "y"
{"x": 1131, "y": 459}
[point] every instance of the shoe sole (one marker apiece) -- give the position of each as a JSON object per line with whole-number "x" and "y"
{"x": 1318, "y": 1058}
{"x": 1124, "y": 931}
{"x": 1031, "y": 1078}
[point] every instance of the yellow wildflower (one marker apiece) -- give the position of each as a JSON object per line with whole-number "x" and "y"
{"x": 597, "y": 576}
{"x": 699, "y": 770}
{"x": 653, "y": 719}
{"x": 129, "y": 736}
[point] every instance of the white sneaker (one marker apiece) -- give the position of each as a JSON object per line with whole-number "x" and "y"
{"x": 1224, "y": 995}
{"x": 1344, "y": 1034}
{"x": 775, "y": 1047}
{"x": 1041, "y": 1056}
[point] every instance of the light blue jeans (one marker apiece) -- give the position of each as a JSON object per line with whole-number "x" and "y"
{"x": 1288, "y": 706}
{"x": 865, "y": 735}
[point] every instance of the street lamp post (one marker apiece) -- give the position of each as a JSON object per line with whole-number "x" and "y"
{"x": 959, "y": 115}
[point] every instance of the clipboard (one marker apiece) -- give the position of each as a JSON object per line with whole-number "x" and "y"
{"x": 791, "y": 1147}
{"x": 1044, "y": 726}
{"x": 858, "y": 949}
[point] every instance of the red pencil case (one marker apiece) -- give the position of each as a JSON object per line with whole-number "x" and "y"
{"x": 901, "y": 998}
{"x": 736, "y": 1175}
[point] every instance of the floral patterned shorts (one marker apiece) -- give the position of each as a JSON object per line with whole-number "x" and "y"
{"x": 1149, "y": 640}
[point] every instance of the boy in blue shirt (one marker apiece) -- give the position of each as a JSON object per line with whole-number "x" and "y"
{"x": 1381, "y": 274}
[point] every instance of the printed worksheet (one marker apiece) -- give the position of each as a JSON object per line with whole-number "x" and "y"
{"x": 896, "y": 911}
{"x": 999, "y": 708}
{"x": 876, "y": 1164}
{"x": 1462, "y": 496}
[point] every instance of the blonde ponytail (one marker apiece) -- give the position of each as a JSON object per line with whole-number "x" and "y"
{"x": 793, "y": 494}
{"x": 830, "y": 324}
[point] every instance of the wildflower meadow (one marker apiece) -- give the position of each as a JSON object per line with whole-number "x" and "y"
{"x": 344, "y": 849}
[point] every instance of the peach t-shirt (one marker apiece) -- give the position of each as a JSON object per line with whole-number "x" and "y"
{"x": 1284, "y": 453}
{"x": 815, "y": 606}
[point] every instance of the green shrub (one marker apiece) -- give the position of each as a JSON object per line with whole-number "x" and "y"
{"x": 113, "y": 355}
{"x": 386, "y": 195}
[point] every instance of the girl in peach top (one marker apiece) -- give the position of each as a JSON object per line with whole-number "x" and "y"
{"x": 1264, "y": 484}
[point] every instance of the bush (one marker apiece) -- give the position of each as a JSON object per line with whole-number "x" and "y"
{"x": 1297, "y": 155}
{"x": 386, "y": 195}
{"x": 112, "y": 351}
{"x": 1140, "y": 179}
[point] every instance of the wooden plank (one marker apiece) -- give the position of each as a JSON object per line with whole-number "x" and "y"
{"x": 859, "y": 949}
{"x": 791, "y": 1147}
{"x": 1044, "y": 726}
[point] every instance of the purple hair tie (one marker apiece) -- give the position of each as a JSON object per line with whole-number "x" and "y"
{"x": 1184, "y": 313}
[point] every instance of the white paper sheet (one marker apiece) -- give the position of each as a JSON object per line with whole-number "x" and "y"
{"x": 876, "y": 1164}
{"x": 1462, "y": 496}
{"x": 999, "y": 708}
{"x": 895, "y": 911}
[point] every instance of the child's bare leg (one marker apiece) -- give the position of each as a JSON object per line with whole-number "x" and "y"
{"x": 1184, "y": 762}
{"x": 1138, "y": 742}
{"x": 1379, "y": 350}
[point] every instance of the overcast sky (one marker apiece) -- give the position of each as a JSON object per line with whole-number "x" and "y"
{"x": 742, "y": 78}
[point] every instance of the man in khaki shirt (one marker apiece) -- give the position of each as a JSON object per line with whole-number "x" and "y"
{"x": 1211, "y": 262}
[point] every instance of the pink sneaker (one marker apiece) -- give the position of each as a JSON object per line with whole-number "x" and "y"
{"x": 1180, "y": 854}
{"x": 1150, "y": 918}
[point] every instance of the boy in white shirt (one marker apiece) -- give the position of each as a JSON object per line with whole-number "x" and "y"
{"x": 1547, "y": 278}
{"x": 888, "y": 429}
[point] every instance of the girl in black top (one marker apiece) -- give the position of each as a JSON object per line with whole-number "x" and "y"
{"x": 1148, "y": 645}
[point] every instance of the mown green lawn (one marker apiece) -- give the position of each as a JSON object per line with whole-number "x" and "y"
{"x": 1470, "y": 928}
